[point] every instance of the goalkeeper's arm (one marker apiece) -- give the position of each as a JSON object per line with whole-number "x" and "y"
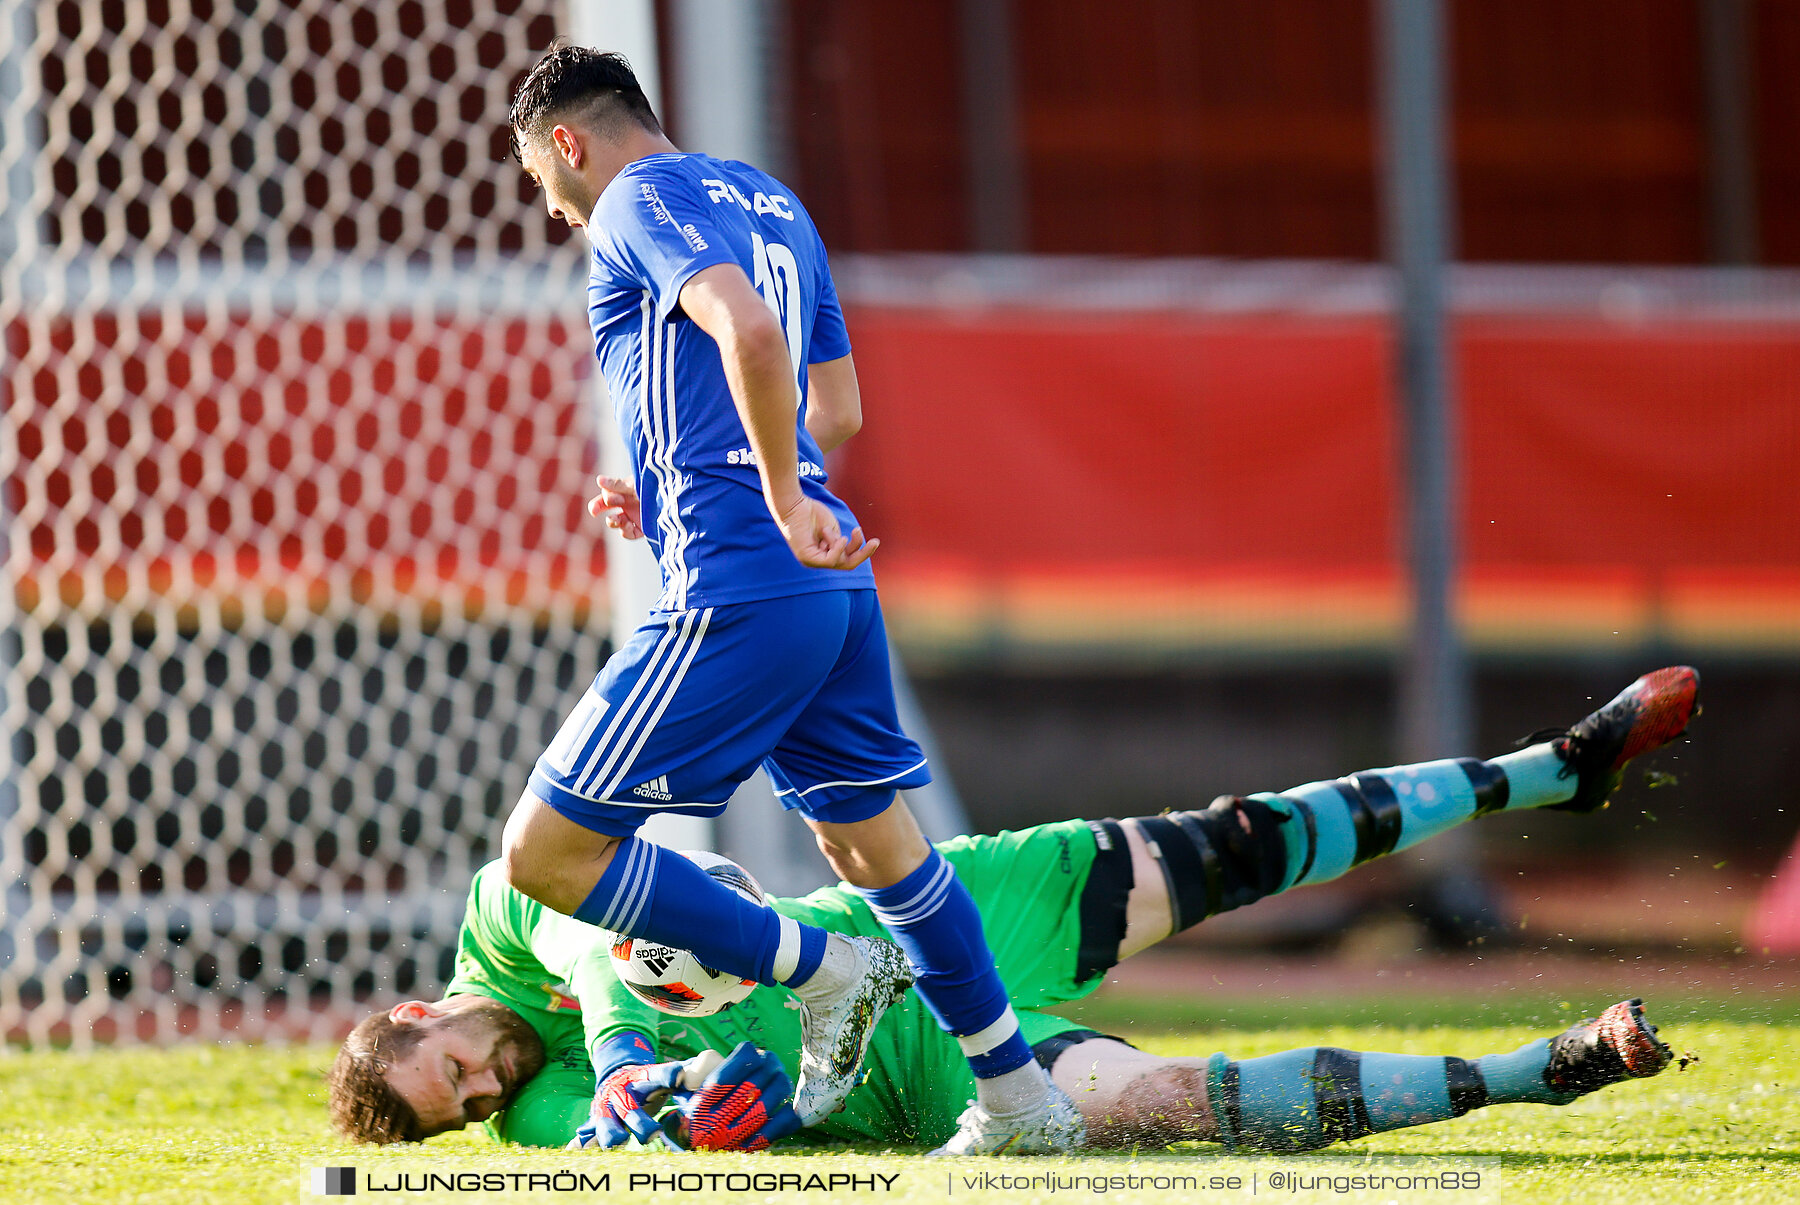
{"x": 618, "y": 1027}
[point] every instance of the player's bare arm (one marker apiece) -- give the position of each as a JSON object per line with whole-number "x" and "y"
{"x": 833, "y": 402}
{"x": 723, "y": 303}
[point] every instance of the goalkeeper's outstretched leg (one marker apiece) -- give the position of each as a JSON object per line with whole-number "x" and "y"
{"x": 1243, "y": 848}
{"x": 1187, "y": 866}
{"x": 1301, "y": 1100}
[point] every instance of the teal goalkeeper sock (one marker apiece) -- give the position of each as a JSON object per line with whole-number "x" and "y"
{"x": 1518, "y": 1078}
{"x": 1300, "y": 1100}
{"x": 1335, "y": 825}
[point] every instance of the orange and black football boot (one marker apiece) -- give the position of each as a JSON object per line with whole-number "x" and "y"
{"x": 1645, "y": 716}
{"x": 1616, "y": 1046}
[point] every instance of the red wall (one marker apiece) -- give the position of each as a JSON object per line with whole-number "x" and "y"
{"x": 1030, "y": 465}
{"x": 1046, "y": 476}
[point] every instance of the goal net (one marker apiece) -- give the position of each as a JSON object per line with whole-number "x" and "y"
{"x": 293, "y": 454}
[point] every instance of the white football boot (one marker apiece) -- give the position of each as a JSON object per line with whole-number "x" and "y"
{"x": 1054, "y": 1127}
{"x": 835, "y": 1033}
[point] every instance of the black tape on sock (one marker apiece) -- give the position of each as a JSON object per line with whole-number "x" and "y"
{"x": 1231, "y": 1106}
{"x": 1338, "y": 1095}
{"x": 1468, "y": 1091}
{"x": 1303, "y": 809}
{"x": 1252, "y": 839}
{"x": 1053, "y": 1047}
{"x": 1492, "y": 791}
{"x": 1212, "y": 870}
{"x": 1184, "y": 868}
{"x": 1104, "y": 898}
{"x": 1231, "y": 854}
{"x": 1375, "y": 813}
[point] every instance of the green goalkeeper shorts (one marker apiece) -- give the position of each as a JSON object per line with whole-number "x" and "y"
{"x": 1052, "y": 902}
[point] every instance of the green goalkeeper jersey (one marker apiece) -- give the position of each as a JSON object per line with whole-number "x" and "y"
{"x": 554, "y": 971}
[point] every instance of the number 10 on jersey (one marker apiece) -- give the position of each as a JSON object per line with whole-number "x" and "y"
{"x": 778, "y": 280}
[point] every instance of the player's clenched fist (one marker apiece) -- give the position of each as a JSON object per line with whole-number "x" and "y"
{"x": 617, "y": 503}
{"x": 745, "y": 1104}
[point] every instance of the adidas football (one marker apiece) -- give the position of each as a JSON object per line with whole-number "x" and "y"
{"x": 674, "y": 981}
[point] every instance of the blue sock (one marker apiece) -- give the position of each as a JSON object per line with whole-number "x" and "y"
{"x": 657, "y": 895}
{"x": 1300, "y": 1100}
{"x": 1345, "y": 822}
{"x": 931, "y": 917}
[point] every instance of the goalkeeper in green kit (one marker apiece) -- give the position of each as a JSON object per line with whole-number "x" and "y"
{"x": 537, "y": 1039}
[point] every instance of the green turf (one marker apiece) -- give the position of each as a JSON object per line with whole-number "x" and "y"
{"x": 231, "y": 1124}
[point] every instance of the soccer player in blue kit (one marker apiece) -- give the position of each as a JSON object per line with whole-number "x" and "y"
{"x": 719, "y": 333}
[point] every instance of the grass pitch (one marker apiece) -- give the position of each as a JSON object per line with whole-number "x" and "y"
{"x": 247, "y": 1124}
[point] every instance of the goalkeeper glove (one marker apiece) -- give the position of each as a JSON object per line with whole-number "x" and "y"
{"x": 744, "y": 1104}
{"x": 627, "y": 1098}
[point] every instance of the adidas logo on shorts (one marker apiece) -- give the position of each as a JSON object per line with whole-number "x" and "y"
{"x": 656, "y": 788}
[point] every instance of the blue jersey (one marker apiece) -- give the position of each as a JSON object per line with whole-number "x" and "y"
{"x": 663, "y": 219}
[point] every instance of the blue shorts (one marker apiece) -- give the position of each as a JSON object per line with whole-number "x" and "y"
{"x": 697, "y": 699}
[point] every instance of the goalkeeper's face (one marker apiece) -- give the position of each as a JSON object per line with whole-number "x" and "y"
{"x": 473, "y": 1054}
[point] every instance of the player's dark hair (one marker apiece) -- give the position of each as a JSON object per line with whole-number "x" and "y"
{"x": 364, "y": 1106}
{"x": 597, "y": 84}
